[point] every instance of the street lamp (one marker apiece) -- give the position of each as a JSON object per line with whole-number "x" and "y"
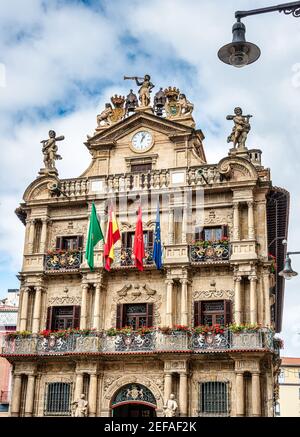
{"x": 288, "y": 272}
{"x": 240, "y": 52}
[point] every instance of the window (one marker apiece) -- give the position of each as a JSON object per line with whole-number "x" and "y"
{"x": 69, "y": 243}
{"x": 299, "y": 394}
{"x": 213, "y": 399}
{"x": 63, "y": 317}
{"x": 210, "y": 233}
{"x": 141, "y": 168}
{"x": 135, "y": 315}
{"x": 212, "y": 312}
{"x": 57, "y": 399}
{"x": 277, "y": 409}
{"x": 281, "y": 377}
{"x": 128, "y": 239}
{"x": 37, "y": 236}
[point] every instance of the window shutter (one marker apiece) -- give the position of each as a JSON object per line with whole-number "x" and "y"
{"x": 76, "y": 316}
{"x": 49, "y": 318}
{"x": 58, "y": 243}
{"x": 197, "y": 313}
{"x": 120, "y": 311}
{"x": 149, "y": 315}
{"x": 224, "y": 231}
{"x": 80, "y": 242}
{"x": 228, "y": 311}
{"x": 126, "y": 240}
{"x": 150, "y": 238}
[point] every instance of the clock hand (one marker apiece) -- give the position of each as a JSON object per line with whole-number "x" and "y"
{"x": 143, "y": 136}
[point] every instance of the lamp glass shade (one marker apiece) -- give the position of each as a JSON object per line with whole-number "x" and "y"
{"x": 288, "y": 272}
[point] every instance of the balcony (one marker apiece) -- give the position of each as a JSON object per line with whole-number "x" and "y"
{"x": 206, "y": 251}
{"x": 124, "y": 257}
{"x": 62, "y": 261}
{"x": 134, "y": 342}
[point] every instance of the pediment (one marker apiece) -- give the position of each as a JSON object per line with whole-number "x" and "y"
{"x": 38, "y": 189}
{"x": 110, "y": 135}
{"x": 237, "y": 169}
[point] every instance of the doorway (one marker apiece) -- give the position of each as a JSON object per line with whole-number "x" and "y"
{"x": 134, "y": 410}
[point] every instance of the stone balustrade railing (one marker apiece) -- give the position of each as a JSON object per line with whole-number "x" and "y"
{"x": 154, "y": 341}
{"x": 151, "y": 180}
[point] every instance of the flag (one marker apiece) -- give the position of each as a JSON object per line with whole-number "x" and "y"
{"x": 138, "y": 244}
{"x": 94, "y": 236}
{"x": 112, "y": 236}
{"x": 157, "y": 252}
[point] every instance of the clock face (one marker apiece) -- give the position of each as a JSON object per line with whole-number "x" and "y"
{"x": 142, "y": 141}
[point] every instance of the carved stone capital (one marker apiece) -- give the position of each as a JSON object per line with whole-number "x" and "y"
{"x": 252, "y": 278}
{"x": 237, "y": 278}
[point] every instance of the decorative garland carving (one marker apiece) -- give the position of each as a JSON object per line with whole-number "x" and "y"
{"x": 64, "y": 300}
{"x": 213, "y": 294}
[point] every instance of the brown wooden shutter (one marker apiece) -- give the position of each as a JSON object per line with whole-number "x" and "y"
{"x": 120, "y": 316}
{"x": 227, "y": 311}
{"x": 149, "y": 315}
{"x": 224, "y": 231}
{"x": 76, "y": 316}
{"x": 49, "y": 318}
{"x": 59, "y": 242}
{"x": 80, "y": 242}
{"x": 197, "y": 313}
{"x": 150, "y": 238}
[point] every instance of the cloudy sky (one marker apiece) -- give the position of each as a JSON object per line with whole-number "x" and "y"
{"x": 62, "y": 59}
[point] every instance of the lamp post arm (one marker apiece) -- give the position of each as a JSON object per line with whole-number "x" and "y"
{"x": 288, "y": 8}
{"x": 293, "y": 253}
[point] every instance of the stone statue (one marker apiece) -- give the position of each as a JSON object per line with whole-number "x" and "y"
{"x": 240, "y": 129}
{"x": 171, "y": 407}
{"x": 50, "y": 150}
{"x": 131, "y": 103}
{"x": 103, "y": 118}
{"x": 145, "y": 90}
{"x": 186, "y": 107}
{"x": 80, "y": 407}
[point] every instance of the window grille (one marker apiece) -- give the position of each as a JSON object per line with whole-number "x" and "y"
{"x": 57, "y": 399}
{"x": 213, "y": 399}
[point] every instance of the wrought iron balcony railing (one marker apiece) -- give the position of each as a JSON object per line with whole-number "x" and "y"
{"x": 155, "y": 341}
{"x": 62, "y": 261}
{"x": 209, "y": 251}
{"x": 124, "y": 257}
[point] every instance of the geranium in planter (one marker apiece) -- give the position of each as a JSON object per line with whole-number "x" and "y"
{"x": 244, "y": 327}
{"x": 180, "y": 328}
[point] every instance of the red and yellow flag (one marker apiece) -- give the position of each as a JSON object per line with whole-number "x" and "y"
{"x": 112, "y": 236}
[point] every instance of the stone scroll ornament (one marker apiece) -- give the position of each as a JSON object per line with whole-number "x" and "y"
{"x": 240, "y": 129}
{"x": 50, "y": 150}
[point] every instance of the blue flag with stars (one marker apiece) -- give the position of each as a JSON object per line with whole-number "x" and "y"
{"x": 157, "y": 250}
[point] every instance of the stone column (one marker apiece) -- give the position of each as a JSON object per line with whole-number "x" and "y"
{"x": 240, "y": 402}
{"x": 169, "y": 303}
{"x": 184, "y": 302}
{"x": 184, "y": 224}
{"x": 31, "y": 236}
{"x": 78, "y": 386}
{"x": 16, "y": 396}
{"x": 236, "y": 221}
{"x": 253, "y": 299}
{"x": 256, "y": 401}
{"x": 96, "y": 315}
{"x": 171, "y": 226}
{"x": 251, "y": 233}
{"x": 37, "y": 310}
{"x": 93, "y": 395}
{"x": 43, "y": 235}
{"x": 266, "y": 281}
{"x": 167, "y": 386}
{"x": 29, "y": 396}
{"x": 237, "y": 300}
{"x": 183, "y": 404}
{"x": 83, "y": 315}
{"x": 24, "y": 309}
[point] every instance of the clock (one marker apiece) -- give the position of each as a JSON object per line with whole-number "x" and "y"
{"x": 142, "y": 141}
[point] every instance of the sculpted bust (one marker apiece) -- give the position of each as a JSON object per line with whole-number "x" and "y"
{"x": 171, "y": 407}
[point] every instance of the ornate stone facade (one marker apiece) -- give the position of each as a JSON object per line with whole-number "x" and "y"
{"x": 220, "y": 211}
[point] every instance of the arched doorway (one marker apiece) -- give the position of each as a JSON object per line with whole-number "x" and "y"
{"x": 134, "y": 400}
